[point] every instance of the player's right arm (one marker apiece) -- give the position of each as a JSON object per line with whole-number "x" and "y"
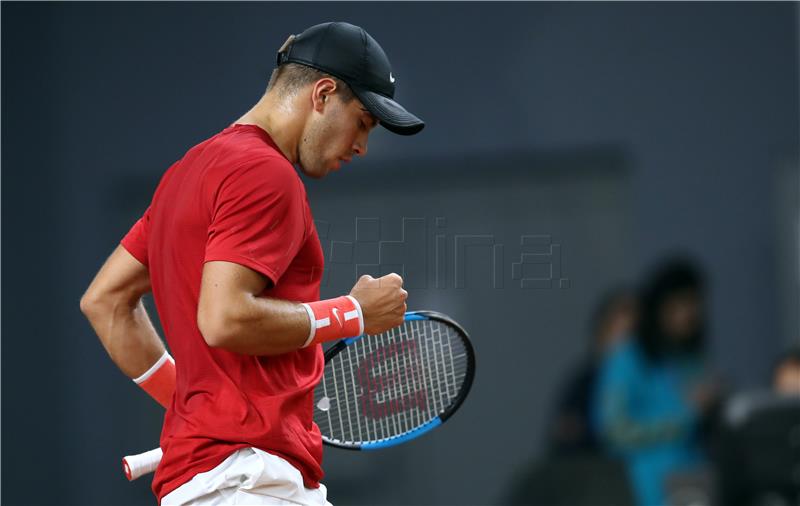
{"x": 259, "y": 221}
{"x": 231, "y": 315}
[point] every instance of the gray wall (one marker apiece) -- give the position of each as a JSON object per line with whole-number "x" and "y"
{"x": 671, "y": 118}
{"x": 526, "y": 321}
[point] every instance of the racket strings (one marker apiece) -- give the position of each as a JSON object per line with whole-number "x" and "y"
{"x": 389, "y": 384}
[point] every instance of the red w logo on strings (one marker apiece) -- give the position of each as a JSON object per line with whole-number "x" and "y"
{"x": 392, "y": 381}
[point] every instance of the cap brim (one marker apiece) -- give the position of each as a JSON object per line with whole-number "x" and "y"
{"x": 390, "y": 114}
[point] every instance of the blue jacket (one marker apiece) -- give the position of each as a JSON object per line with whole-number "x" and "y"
{"x": 641, "y": 412}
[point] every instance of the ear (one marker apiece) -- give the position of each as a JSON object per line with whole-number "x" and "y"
{"x": 322, "y": 92}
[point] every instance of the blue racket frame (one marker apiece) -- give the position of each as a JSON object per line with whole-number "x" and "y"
{"x": 436, "y": 421}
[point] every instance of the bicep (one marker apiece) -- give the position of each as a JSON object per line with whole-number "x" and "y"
{"x": 222, "y": 279}
{"x": 223, "y": 288}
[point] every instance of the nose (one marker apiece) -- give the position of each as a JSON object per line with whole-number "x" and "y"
{"x": 360, "y": 147}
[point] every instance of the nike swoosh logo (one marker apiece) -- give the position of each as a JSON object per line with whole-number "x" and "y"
{"x": 391, "y": 78}
{"x": 336, "y": 315}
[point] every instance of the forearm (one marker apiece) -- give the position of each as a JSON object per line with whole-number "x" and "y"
{"x": 232, "y": 315}
{"x": 127, "y": 334}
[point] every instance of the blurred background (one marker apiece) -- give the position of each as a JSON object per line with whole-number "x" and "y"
{"x": 606, "y": 196}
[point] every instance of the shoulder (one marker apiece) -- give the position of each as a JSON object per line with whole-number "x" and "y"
{"x": 628, "y": 348}
{"x": 625, "y": 356}
{"x": 267, "y": 174}
{"x": 242, "y": 152}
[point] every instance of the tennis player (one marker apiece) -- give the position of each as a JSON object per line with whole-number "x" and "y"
{"x": 230, "y": 252}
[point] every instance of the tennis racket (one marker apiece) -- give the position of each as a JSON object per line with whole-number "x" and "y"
{"x": 382, "y": 390}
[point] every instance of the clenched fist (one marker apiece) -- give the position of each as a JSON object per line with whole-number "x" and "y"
{"x": 383, "y": 302}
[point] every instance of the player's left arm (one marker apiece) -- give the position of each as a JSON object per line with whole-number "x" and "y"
{"x": 113, "y": 305}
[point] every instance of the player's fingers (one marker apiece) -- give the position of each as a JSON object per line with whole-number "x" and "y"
{"x": 401, "y": 315}
{"x": 403, "y": 295}
{"x": 392, "y": 279}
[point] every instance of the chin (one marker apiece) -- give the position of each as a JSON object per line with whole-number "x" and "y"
{"x": 314, "y": 173}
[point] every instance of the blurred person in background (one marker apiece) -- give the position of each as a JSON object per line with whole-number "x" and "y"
{"x": 612, "y": 321}
{"x": 757, "y": 458}
{"x": 575, "y": 472}
{"x": 653, "y": 391}
{"x": 786, "y": 373}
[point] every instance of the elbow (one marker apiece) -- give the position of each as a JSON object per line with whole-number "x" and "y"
{"x": 86, "y": 305}
{"x": 216, "y": 329}
{"x": 91, "y": 304}
{"x": 98, "y": 303}
{"x": 216, "y": 338}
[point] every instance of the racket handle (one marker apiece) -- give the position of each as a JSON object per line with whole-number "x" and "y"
{"x": 136, "y": 466}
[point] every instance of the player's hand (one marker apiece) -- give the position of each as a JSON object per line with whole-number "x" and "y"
{"x": 383, "y": 302}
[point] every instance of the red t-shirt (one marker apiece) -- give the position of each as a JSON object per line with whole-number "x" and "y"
{"x": 236, "y": 198}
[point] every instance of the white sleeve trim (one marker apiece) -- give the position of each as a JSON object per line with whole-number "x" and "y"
{"x": 153, "y": 368}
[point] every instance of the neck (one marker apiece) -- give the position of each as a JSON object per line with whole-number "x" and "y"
{"x": 281, "y": 118}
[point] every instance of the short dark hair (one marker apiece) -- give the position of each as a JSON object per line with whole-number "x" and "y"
{"x": 290, "y": 77}
{"x": 676, "y": 275}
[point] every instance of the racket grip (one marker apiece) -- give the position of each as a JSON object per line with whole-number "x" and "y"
{"x": 136, "y": 466}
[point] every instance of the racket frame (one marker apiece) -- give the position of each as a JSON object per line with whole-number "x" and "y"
{"x": 438, "y": 419}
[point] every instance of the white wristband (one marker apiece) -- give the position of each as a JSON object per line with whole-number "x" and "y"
{"x": 166, "y": 356}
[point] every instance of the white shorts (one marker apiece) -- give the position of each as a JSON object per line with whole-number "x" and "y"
{"x": 248, "y": 476}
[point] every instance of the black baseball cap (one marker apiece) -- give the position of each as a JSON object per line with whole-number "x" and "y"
{"x": 349, "y": 53}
